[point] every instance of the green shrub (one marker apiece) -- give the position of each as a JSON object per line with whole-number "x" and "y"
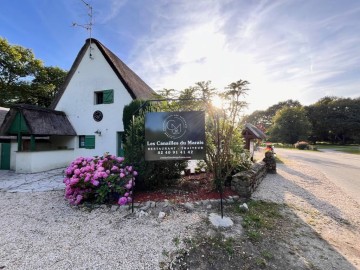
{"x": 151, "y": 174}
{"x": 302, "y": 145}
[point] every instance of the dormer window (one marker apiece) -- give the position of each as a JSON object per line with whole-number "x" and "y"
{"x": 104, "y": 97}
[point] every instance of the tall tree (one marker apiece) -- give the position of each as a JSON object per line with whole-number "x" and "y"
{"x": 24, "y": 79}
{"x": 335, "y": 119}
{"x": 264, "y": 119}
{"x": 290, "y": 125}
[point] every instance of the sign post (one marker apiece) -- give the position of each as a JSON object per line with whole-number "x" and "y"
{"x": 175, "y": 135}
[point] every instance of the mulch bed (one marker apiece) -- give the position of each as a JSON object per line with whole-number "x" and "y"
{"x": 194, "y": 187}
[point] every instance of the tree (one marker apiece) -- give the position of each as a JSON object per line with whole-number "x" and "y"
{"x": 335, "y": 120}
{"x": 24, "y": 79}
{"x": 223, "y": 128}
{"x": 46, "y": 84}
{"x": 151, "y": 173}
{"x": 224, "y": 142}
{"x": 264, "y": 119}
{"x": 290, "y": 125}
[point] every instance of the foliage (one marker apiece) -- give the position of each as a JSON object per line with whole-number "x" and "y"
{"x": 222, "y": 129}
{"x": 224, "y": 142}
{"x": 335, "y": 120}
{"x": 151, "y": 173}
{"x": 24, "y": 79}
{"x": 264, "y": 119}
{"x": 133, "y": 108}
{"x": 302, "y": 145}
{"x": 97, "y": 179}
{"x": 290, "y": 125}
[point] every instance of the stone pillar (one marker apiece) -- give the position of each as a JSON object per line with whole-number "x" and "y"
{"x": 270, "y": 162}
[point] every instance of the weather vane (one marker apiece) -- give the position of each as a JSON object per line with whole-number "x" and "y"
{"x": 87, "y": 26}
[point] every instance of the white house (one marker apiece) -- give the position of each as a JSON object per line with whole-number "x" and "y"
{"x": 85, "y": 118}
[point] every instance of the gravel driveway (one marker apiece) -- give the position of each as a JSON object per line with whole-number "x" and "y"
{"x": 319, "y": 203}
{"x": 39, "y": 230}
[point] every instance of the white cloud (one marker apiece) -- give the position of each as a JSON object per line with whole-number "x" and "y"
{"x": 282, "y": 57}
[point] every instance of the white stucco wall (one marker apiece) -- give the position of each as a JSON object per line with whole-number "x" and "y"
{"x": 78, "y": 102}
{"x": 31, "y": 162}
{"x": 62, "y": 141}
{"x": 13, "y": 149}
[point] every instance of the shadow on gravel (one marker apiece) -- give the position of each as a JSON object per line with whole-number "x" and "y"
{"x": 269, "y": 236}
{"x": 285, "y": 187}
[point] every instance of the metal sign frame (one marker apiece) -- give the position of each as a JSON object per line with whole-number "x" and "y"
{"x": 132, "y": 140}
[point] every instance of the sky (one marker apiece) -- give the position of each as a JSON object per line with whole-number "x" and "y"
{"x": 287, "y": 49}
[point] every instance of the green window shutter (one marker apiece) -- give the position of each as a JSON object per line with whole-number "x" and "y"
{"x": 90, "y": 141}
{"x": 108, "y": 96}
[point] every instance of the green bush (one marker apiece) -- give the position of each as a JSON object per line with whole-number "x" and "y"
{"x": 302, "y": 145}
{"x": 151, "y": 174}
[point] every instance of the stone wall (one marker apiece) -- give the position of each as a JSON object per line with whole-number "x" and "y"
{"x": 245, "y": 183}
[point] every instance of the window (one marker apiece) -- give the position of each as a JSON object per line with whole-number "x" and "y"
{"x": 87, "y": 141}
{"x": 104, "y": 97}
{"x": 81, "y": 141}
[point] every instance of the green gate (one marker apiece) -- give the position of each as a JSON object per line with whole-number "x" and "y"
{"x": 5, "y": 156}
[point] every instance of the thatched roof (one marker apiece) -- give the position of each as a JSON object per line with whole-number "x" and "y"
{"x": 39, "y": 121}
{"x": 136, "y": 87}
{"x": 254, "y": 131}
{"x": 3, "y": 112}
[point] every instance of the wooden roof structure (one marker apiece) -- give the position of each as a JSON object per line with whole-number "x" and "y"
{"x": 252, "y": 132}
{"x": 136, "y": 87}
{"x": 32, "y": 120}
{"x": 3, "y": 112}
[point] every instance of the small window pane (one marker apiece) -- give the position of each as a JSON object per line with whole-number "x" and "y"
{"x": 81, "y": 141}
{"x": 99, "y": 97}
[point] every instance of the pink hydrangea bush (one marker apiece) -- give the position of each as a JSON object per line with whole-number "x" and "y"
{"x": 99, "y": 180}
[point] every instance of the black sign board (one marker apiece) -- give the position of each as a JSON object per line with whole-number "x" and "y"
{"x": 175, "y": 135}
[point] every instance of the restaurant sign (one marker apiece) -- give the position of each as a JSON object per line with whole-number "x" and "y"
{"x": 175, "y": 135}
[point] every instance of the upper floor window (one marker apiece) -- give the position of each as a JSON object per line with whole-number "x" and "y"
{"x": 87, "y": 141}
{"x": 104, "y": 97}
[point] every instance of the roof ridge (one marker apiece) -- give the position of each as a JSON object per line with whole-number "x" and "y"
{"x": 135, "y": 86}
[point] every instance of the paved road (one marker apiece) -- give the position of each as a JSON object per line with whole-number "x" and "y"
{"x": 341, "y": 168}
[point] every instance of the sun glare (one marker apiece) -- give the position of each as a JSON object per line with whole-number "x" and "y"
{"x": 217, "y": 102}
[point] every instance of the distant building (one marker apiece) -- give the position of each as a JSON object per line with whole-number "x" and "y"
{"x": 85, "y": 118}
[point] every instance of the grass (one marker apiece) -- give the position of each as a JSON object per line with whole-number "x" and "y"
{"x": 351, "y": 149}
{"x": 261, "y": 221}
{"x": 261, "y": 216}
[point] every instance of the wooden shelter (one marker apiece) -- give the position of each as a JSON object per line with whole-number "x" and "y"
{"x": 251, "y": 133}
{"x": 34, "y": 121}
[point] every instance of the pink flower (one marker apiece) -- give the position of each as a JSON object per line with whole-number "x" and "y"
{"x": 126, "y": 194}
{"x": 101, "y": 169}
{"x": 128, "y": 185}
{"x": 115, "y": 168}
{"x": 122, "y": 201}
{"x": 74, "y": 181}
{"x": 135, "y": 173}
{"x": 95, "y": 182}
{"x": 78, "y": 199}
{"x": 122, "y": 175}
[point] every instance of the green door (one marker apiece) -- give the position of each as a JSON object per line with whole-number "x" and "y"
{"x": 5, "y": 156}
